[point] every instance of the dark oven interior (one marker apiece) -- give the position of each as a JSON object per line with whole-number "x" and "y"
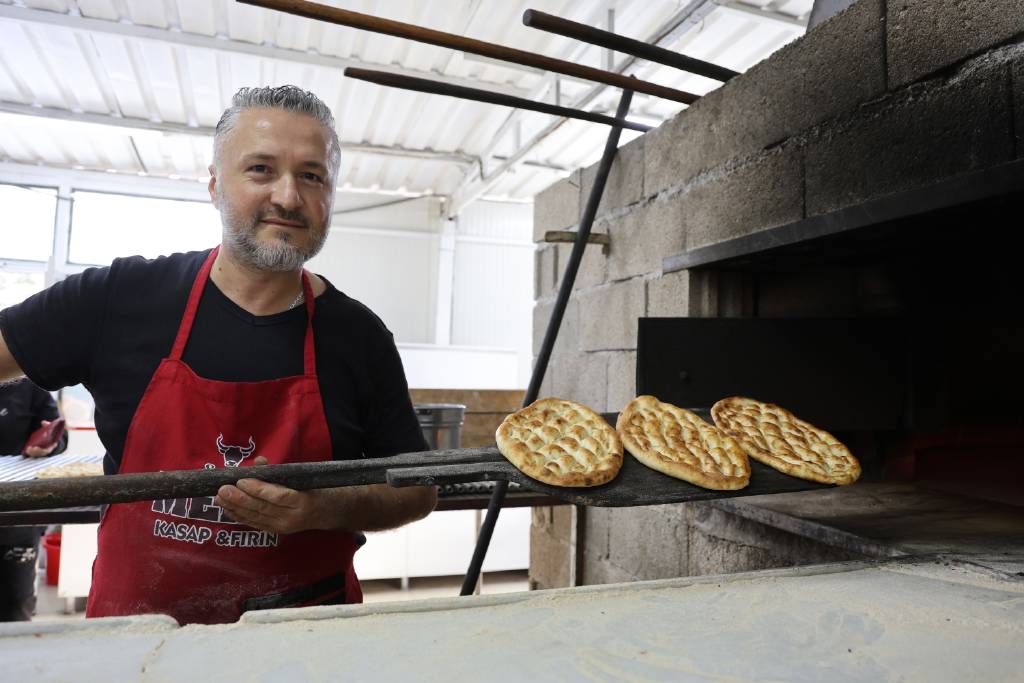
{"x": 905, "y": 339}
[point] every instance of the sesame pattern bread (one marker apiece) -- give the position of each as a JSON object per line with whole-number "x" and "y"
{"x": 562, "y": 443}
{"x": 779, "y": 439}
{"x": 678, "y": 443}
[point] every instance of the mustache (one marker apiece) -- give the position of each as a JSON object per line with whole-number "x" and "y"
{"x": 285, "y": 215}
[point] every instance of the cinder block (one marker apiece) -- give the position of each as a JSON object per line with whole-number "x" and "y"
{"x": 583, "y": 378}
{"x": 925, "y": 36}
{"x": 650, "y": 542}
{"x": 621, "y": 380}
{"x": 557, "y": 207}
{"x": 561, "y": 522}
{"x": 669, "y": 295}
{"x": 598, "y": 571}
{"x": 764, "y": 193}
{"x": 912, "y": 139}
{"x": 829, "y": 71}
{"x": 643, "y": 237}
{"x": 568, "y": 341}
{"x": 625, "y": 183}
{"x": 545, "y": 273}
{"x": 608, "y": 315}
{"x": 593, "y": 266}
{"x": 722, "y": 543}
{"x": 597, "y": 531}
{"x": 549, "y": 561}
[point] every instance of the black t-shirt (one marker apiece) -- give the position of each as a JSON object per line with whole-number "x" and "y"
{"x": 109, "y": 328}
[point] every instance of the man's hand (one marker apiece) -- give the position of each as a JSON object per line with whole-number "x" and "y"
{"x": 36, "y": 451}
{"x": 270, "y": 507}
{"x": 281, "y": 510}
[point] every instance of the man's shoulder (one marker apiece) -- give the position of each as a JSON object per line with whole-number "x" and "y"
{"x": 340, "y": 309}
{"x": 165, "y": 268}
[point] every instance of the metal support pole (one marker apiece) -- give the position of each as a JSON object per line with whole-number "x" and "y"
{"x": 483, "y": 541}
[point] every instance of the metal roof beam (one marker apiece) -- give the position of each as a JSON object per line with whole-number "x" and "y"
{"x": 475, "y": 183}
{"x": 128, "y": 125}
{"x": 224, "y": 44}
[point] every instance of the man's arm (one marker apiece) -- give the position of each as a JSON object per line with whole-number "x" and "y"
{"x": 8, "y": 366}
{"x": 351, "y": 508}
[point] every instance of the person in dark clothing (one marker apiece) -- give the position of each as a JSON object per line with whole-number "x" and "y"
{"x": 24, "y": 408}
{"x": 232, "y": 357}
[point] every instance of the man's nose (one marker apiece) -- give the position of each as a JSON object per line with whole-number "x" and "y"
{"x": 286, "y": 193}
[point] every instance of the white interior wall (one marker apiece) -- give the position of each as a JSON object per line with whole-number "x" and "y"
{"x": 390, "y": 258}
{"x": 493, "y": 280}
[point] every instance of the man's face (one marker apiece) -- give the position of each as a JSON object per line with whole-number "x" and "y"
{"x": 273, "y": 189}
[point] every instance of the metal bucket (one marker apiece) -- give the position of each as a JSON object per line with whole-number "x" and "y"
{"x": 441, "y": 423}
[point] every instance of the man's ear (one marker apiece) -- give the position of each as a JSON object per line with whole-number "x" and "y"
{"x": 212, "y": 186}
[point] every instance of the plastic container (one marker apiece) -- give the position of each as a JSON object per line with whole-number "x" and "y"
{"x": 52, "y": 544}
{"x": 441, "y": 423}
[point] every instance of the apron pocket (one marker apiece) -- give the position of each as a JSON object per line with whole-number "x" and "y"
{"x": 329, "y": 591}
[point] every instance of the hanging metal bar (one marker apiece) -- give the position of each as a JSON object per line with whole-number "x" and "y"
{"x": 367, "y": 22}
{"x": 483, "y": 540}
{"x": 436, "y": 88}
{"x": 613, "y": 41}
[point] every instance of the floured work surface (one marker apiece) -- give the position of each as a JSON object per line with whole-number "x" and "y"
{"x": 844, "y": 623}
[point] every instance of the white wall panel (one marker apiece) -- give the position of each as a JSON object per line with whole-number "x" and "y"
{"x": 493, "y": 282}
{"x": 392, "y": 272}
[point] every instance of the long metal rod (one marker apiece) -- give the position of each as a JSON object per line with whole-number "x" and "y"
{"x": 43, "y": 494}
{"x": 613, "y": 41}
{"x": 438, "y": 88}
{"x": 483, "y": 540}
{"x": 368, "y": 22}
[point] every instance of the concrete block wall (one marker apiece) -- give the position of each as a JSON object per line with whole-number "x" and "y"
{"x": 887, "y": 96}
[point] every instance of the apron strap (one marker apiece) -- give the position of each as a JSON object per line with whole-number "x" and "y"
{"x": 185, "y": 328}
{"x": 308, "y": 348}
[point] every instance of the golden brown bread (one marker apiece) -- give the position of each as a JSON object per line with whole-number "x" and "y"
{"x": 777, "y": 438}
{"x": 676, "y": 442}
{"x": 562, "y": 443}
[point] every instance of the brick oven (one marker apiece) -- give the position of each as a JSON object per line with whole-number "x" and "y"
{"x": 872, "y": 170}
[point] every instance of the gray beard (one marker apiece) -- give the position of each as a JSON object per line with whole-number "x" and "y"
{"x": 275, "y": 255}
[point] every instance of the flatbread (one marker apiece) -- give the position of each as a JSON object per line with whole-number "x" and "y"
{"x": 562, "y": 443}
{"x": 71, "y": 469}
{"x": 676, "y": 442}
{"x": 777, "y": 438}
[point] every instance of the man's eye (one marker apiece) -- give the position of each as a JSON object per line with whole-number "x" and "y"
{"x": 259, "y": 168}
{"x": 313, "y": 176}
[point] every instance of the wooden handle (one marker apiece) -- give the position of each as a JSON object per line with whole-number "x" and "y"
{"x": 367, "y": 22}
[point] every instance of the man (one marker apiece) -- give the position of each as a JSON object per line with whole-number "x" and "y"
{"x": 229, "y": 358}
{"x": 24, "y": 408}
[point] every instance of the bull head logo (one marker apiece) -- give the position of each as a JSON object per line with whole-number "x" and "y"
{"x": 234, "y": 455}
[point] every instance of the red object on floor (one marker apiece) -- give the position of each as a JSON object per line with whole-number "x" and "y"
{"x": 52, "y": 543}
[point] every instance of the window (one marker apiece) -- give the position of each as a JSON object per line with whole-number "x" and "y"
{"x": 106, "y": 226}
{"x": 26, "y": 229}
{"x": 15, "y": 286}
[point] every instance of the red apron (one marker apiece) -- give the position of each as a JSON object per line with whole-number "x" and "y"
{"x": 186, "y": 557}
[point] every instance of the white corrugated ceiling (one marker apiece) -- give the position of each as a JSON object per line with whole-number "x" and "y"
{"x": 135, "y": 86}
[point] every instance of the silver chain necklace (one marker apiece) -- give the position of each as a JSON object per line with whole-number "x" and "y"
{"x": 298, "y": 300}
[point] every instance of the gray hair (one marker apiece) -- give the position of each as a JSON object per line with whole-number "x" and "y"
{"x": 290, "y": 98}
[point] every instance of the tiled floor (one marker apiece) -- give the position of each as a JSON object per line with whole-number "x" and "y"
{"x": 50, "y": 607}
